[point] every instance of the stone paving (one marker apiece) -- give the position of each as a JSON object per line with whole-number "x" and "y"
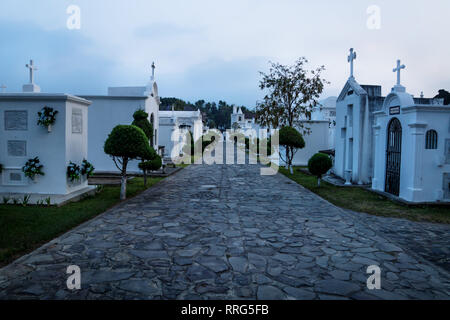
{"x": 226, "y": 232}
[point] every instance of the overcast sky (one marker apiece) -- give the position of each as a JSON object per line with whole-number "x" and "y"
{"x": 214, "y": 50}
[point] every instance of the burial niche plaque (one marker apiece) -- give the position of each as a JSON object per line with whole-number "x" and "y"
{"x": 17, "y": 148}
{"x": 16, "y": 120}
{"x": 77, "y": 121}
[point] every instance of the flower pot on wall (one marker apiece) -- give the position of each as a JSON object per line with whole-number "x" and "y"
{"x": 34, "y": 180}
{"x": 49, "y": 128}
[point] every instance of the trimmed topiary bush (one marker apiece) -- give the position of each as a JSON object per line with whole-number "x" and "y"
{"x": 291, "y": 140}
{"x": 141, "y": 121}
{"x": 151, "y": 165}
{"x": 125, "y": 143}
{"x": 319, "y": 164}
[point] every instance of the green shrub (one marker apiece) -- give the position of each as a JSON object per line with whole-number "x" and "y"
{"x": 292, "y": 140}
{"x": 319, "y": 164}
{"x": 290, "y": 137}
{"x": 125, "y": 143}
{"x": 129, "y": 142}
{"x": 141, "y": 121}
{"x": 151, "y": 165}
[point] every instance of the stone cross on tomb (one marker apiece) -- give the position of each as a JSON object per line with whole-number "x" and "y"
{"x": 351, "y": 58}
{"x": 398, "y": 70}
{"x": 32, "y": 67}
{"x": 153, "y": 70}
{"x": 3, "y": 87}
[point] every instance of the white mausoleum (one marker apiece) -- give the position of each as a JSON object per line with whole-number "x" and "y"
{"x": 398, "y": 144}
{"x": 21, "y": 139}
{"x": 117, "y": 108}
{"x": 412, "y": 143}
{"x": 173, "y": 127}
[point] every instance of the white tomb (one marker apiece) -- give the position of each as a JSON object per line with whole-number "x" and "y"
{"x": 412, "y": 147}
{"x": 174, "y": 126}
{"x": 117, "y": 108}
{"x": 354, "y": 133}
{"x": 399, "y": 145}
{"x": 21, "y": 139}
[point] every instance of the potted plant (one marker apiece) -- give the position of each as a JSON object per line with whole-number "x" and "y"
{"x": 73, "y": 171}
{"x": 33, "y": 168}
{"x": 47, "y": 117}
{"x": 87, "y": 168}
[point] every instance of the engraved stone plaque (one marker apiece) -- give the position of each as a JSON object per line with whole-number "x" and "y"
{"x": 77, "y": 121}
{"x": 17, "y": 148}
{"x": 15, "y": 177}
{"x": 16, "y": 120}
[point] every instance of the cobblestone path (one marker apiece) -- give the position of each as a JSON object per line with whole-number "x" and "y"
{"x": 226, "y": 232}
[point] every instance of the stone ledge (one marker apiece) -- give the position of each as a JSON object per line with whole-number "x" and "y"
{"x": 56, "y": 199}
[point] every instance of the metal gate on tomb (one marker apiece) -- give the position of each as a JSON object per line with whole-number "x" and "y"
{"x": 393, "y": 157}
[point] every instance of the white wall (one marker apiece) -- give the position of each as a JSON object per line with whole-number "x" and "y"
{"x": 105, "y": 113}
{"x": 169, "y": 120}
{"x": 314, "y": 142}
{"x": 55, "y": 149}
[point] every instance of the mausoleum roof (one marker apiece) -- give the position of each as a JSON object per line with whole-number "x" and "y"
{"x": 355, "y": 86}
{"x": 179, "y": 114}
{"x": 43, "y": 96}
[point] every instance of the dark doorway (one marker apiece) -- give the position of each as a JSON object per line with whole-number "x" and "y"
{"x": 393, "y": 157}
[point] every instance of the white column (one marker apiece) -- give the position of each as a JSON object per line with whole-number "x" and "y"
{"x": 378, "y": 165}
{"x": 414, "y": 163}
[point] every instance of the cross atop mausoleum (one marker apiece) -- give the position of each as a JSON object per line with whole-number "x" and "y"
{"x": 351, "y": 58}
{"x": 32, "y": 67}
{"x": 153, "y": 71}
{"x": 398, "y": 70}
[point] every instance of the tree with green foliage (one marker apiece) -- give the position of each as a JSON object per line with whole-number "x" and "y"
{"x": 150, "y": 165}
{"x": 141, "y": 120}
{"x": 291, "y": 140}
{"x": 444, "y": 94}
{"x": 125, "y": 143}
{"x": 319, "y": 164}
{"x": 292, "y": 93}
